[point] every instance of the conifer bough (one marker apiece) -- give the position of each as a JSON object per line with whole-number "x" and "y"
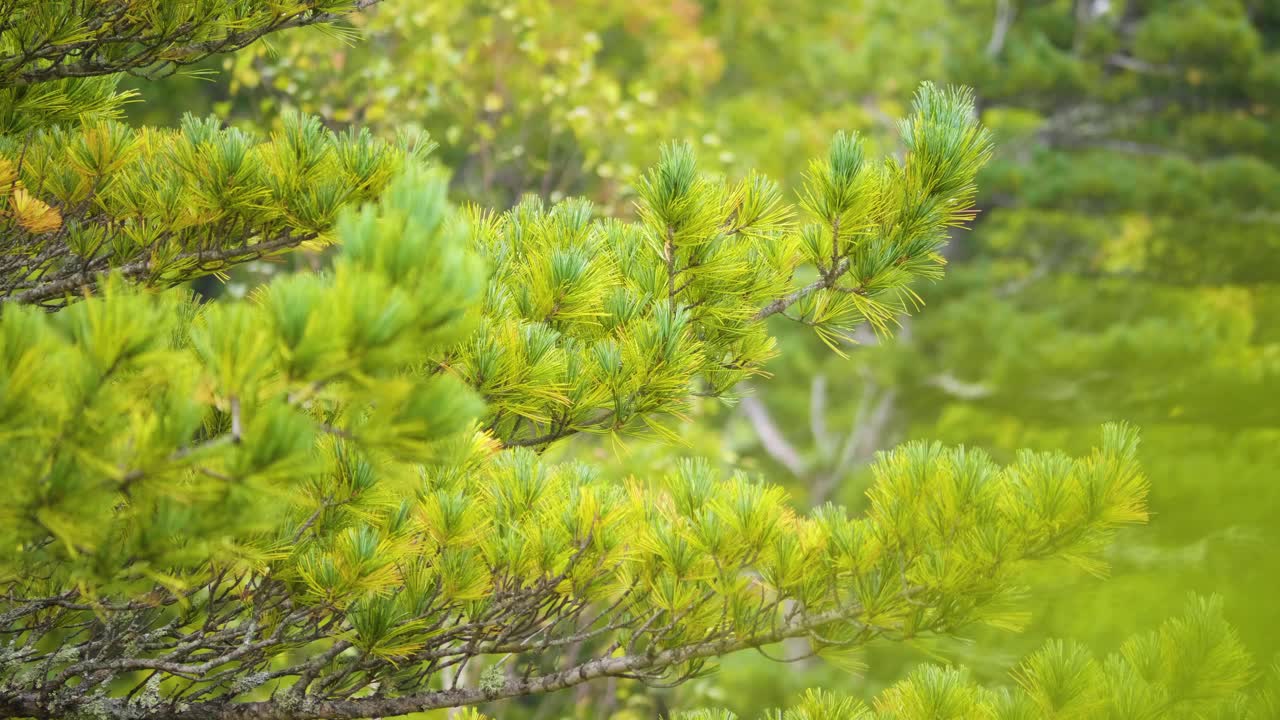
{"x": 312, "y": 515}
{"x": 81, "y": 193}
{"x": 326, "y": 500}
{"x": 47, "y": 40}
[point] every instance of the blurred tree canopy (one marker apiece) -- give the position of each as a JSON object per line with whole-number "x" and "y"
{"x": 1124, "y": 265}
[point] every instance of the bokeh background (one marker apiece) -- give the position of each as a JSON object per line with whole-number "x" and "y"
{"x": 1124, "y": 264}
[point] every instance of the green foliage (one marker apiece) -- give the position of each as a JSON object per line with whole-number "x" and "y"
{"x": 161, "y": 207}
{"x": 1133, "y": 234}
{"x": 45, "y": 40}
{"x": 598, "y": 326}
{"x": 527, "y": 96}
{"x": 302, "y": 469}
{"x": 167, "y": 411}
{"x": 344, "y": 496}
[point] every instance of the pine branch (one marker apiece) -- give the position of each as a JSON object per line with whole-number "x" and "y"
{"x": 58, "y": 288}
{"x": 32, "y": 705}
{"x": 114, "y": 30}
{"x": 827, "y": 281}
{"x": 171, "y": 205}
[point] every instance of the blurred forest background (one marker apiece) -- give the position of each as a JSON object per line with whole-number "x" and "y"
{"x": 1124, "y": 264}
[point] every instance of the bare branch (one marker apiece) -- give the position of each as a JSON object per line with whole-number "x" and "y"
{"x": 771, "y": 437}
{"x": 1000, "y": 30}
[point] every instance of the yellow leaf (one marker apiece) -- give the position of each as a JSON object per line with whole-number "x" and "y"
{"x": 8, "y": 176}
{"x": 33, "y": 214}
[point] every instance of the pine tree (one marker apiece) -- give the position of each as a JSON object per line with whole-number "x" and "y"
{"x": 327, "y": 500}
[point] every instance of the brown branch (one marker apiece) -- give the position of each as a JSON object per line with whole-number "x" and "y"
{"x": 349, "y": 709}
{"x": 826, "y": 281}
{"x": 65, "y": 286}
